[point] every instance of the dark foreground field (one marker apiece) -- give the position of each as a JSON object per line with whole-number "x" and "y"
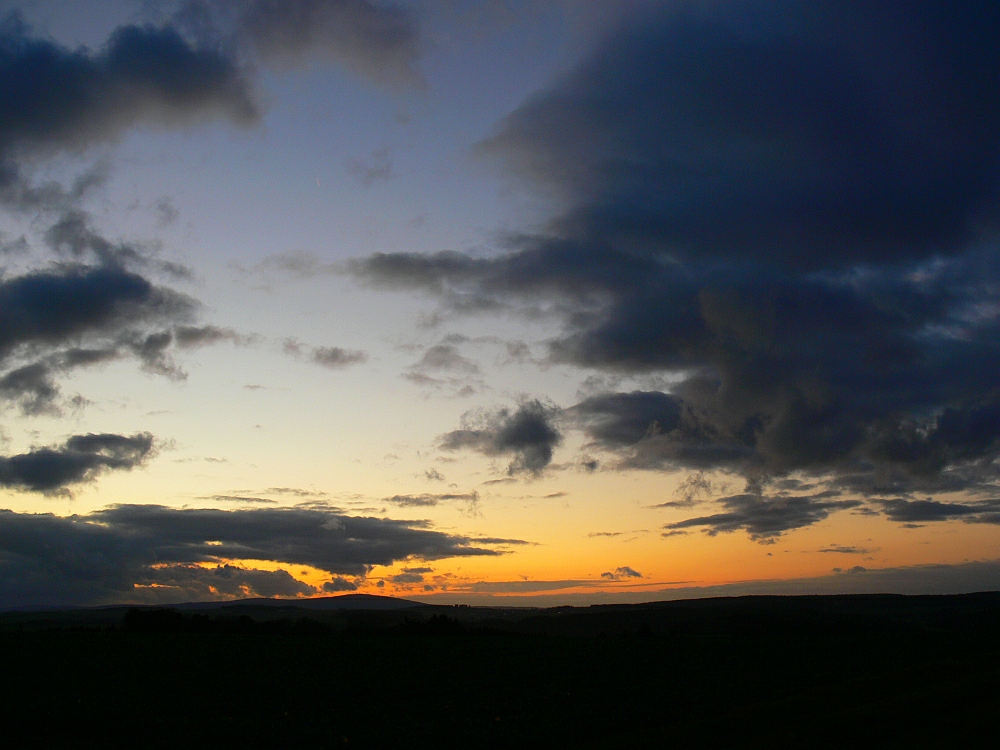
{"x": 751, "y": 672}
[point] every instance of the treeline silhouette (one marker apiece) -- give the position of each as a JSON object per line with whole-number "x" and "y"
{"x": 172, "y": 621}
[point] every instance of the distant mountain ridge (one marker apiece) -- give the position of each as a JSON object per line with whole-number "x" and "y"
{"x": 322, "y": 603}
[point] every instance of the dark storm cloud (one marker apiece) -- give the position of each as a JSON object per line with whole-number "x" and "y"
{"x": 57, "y": 306}
{"x": 623, "y": 419}
{"x": 528, "y": 433}
{"x": 815, "y": 134}
{"x": 924, "y": 511}
{"x": 79, "y": 459}
{"x": 101, "y": 557}
{"x": 339, "y": 584}
{"x": 60, "y": 98}
{"x": 790, "y": 208}
{"x": 68, "y": 316}
{"x": 193, "y": 582}
{"x": 764, "y": 518}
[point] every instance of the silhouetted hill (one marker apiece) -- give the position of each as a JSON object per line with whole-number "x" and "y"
{"x": 324, "y": 603}
{"x": 754, "y": 672}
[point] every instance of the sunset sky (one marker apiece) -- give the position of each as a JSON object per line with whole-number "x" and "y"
{"x": 498, "y": 302}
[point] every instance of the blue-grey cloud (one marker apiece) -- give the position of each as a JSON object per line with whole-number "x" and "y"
{"x": 58, "y": 306}
{"x": 527, "y": 433}
{"x": 765, "y": 518}
{"x": 68, "y": 316}
{"x": 57, "y": 98}
{"x": 192, "y": 65}
{"x": 925, "y": 511}
{"x": 79, "y": 459}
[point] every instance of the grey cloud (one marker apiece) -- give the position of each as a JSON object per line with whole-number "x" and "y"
{"x": 73, "y": 234}
{"x": 332, "y": 357}
{"x": 67, "y": 316}
{"x": 60, "y": 98}
{"x": 422, "y": 379}
{"x": 410, "y": 575}
{"x": 166, "y": 212}
{"x": 78, "y": 357}
{"x": 32, "y": 387}
{"x": 339, "y": 583}
{"x": 379, "y": 41}
{"x": 295, "y": 492}
{"x": 924, "y": 511}
{"x": 195, "y": 65}
{"x": 194, "y": 582}
{"x": 100, "y": 557}
{"x": 765, "y": 518}
{"x": 445, "y": 357}
{"x": 152, "y": 352}
{"x": 246, "y": 499}
{"x": 375, "y": 168}
{"x": 621, "y": 574}
{"x": 623, "y": 419}
{"x": 60, "y": 305}
{"x": 79, "y": 459}
{"x": 189, "y": 337}
{"x": 846, "y": 550}
{"x": 405, "y": 578}
{"x": 528, "y": 433}
{"x": 428, "y": 499}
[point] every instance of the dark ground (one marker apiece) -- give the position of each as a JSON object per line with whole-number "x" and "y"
{"x": 810, "y": 672}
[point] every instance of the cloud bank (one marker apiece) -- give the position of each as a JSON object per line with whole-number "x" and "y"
{"x": 135, "y": 553}
{"x": 791, "y": 210}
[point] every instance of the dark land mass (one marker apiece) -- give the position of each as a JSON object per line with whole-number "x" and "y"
{"x": 352, "y": 671}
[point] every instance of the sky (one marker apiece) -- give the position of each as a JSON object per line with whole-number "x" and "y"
{"x": 521, "y": 303}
